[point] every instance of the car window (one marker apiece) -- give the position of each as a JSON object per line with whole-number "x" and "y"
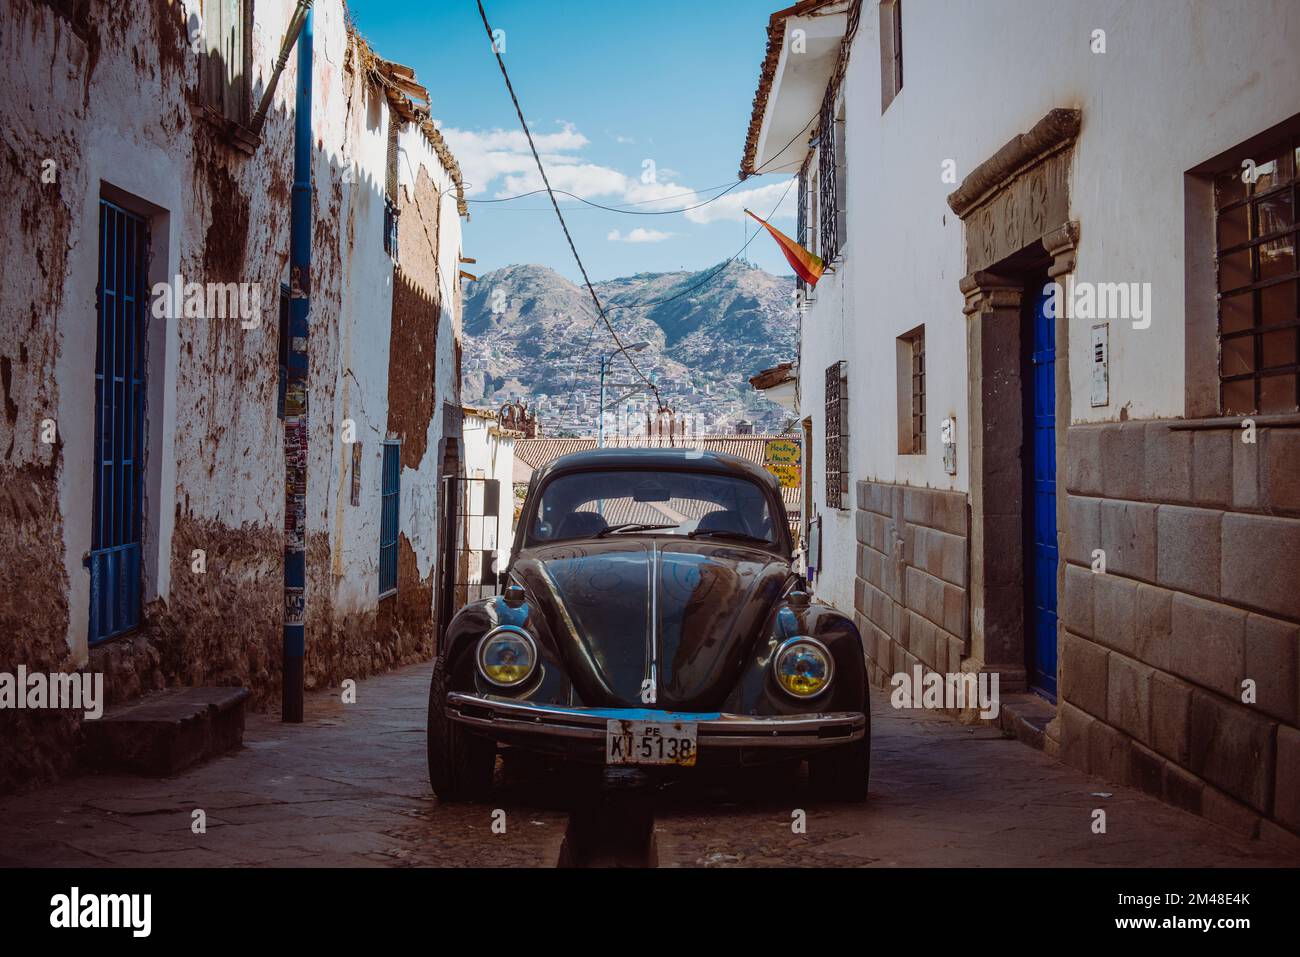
{"x": 587, "y": 504}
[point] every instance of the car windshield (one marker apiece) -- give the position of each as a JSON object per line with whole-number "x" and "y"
{"x": 612, "y": 502}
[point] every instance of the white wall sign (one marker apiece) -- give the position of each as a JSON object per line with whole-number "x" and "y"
{"x": 1101, "y": 364}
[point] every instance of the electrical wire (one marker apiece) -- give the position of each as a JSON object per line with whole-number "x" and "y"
{"x": 716, "y": 272}
{"x": 616, "y": 206}
{"x": 622, "y": 207}
{"x": 541, "y": 169}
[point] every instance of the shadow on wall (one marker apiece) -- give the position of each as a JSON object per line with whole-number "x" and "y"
{"x": 221, "y": 626}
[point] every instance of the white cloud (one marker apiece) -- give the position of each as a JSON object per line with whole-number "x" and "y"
{"x": 582, "y": 179}
{"x": 498, "y": 162}
{"x": 732, "y": 206}
{"x": 638, "y": 235}
{"x": 487, "y": 155}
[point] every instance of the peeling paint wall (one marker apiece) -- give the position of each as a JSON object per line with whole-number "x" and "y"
{"x": 101, "y": 101}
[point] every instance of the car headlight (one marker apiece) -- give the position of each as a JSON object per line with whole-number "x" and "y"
{"x": 803, "y": 667}
{"x": 507, "y": 656}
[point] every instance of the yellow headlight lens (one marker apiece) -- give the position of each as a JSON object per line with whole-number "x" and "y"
{"x": 803, "y": 667}
{"x": 507, "y": 656}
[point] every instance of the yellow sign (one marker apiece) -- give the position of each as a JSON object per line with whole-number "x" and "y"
{"x": 783, "y": 458}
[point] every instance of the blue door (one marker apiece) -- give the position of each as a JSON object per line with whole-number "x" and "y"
{"x": 114, "y": 559}
{"x": 1041, "y": 517}
{"x": 389, "y": 516}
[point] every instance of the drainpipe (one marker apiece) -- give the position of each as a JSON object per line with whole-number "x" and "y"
{"x": 295, "y": 398}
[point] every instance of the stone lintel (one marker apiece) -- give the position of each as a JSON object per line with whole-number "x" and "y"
{"x": 1054, "y": 131}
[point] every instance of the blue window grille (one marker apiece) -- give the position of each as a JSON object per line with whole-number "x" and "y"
{"x": 114, "y": 559}
{"x": 388, "y": 522}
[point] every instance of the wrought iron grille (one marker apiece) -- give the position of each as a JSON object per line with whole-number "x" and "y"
{"x": 475, "y": 544}
{"x": 1258, "y": 282}
{"x": 115, "y": 552}
{"x": 801, "y": 230}
{"x": 837, "y": 435}
{"x": 828, "y": 187}
{"x": 918, "y": 392}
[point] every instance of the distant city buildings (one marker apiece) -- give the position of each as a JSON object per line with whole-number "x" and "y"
{"x": 708, "y": 410}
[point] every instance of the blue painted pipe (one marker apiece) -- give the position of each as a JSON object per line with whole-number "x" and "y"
{"x": 296, "y": 387}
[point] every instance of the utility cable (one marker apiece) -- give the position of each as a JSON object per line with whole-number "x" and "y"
{"x": 541, "y": 169}
{"x": 622, "y": 207}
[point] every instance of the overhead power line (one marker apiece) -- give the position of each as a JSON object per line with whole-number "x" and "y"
{"x": 623, "y": 207}
{"x": 616, "y": 206}
{"x": 690, "y": 289}
{"x": 600, "y": 309}
{"x": 716, "y": 272}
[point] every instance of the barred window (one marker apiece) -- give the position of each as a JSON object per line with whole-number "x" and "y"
{"x": 391, "y": 180}
{"x": 801, "y": 230}
{"x": 837, "y": 435}
{"x": 828, "y": 180}
{"x": 1258, "y": 282}
{"x": 911, "y": 392}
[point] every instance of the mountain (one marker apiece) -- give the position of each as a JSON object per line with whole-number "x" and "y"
{"x": 531, "y": 334}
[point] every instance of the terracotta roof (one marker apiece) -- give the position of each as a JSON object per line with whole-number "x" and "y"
{"x": 537, "y": 452}
{"x": 774, "y": 376}
{"x": 775, "y": 40}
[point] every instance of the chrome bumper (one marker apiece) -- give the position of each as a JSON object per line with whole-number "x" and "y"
{"x": 715, "y": 730}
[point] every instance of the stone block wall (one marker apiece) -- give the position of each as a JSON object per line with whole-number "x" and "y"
{"x": 912, "y": 578}
{"x": 1200, "y": 533}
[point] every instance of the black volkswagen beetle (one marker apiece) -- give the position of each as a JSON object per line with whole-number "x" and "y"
{"x": 651, "y": 617}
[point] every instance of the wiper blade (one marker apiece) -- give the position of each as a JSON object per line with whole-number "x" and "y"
{"x": 728, "y": 533}
{"x": 632, "y": 527}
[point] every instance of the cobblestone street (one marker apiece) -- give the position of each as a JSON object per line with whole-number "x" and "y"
{"x": 349, "y": 788}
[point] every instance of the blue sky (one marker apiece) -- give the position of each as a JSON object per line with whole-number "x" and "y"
{"x": 607, "y": 88}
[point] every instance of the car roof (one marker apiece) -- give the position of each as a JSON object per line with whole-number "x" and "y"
{"x": 660, "y": 459}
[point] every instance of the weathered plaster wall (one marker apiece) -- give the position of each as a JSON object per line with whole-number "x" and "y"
{"x": 107, "y": 92}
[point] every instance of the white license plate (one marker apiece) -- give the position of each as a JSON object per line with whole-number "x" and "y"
{"x": 650, "y": 742}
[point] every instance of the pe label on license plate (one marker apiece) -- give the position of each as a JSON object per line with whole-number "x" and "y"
{"x": 650, "y": 742}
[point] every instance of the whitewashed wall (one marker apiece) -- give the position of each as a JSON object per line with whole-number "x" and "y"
{"x": 1179, "y": 83}
{"x": 491, "y": 454}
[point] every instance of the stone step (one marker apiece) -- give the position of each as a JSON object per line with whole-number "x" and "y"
{"x": 1026, "y": 716}
{"x": 166, "y": 731}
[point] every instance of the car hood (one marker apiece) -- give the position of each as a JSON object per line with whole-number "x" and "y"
{"x": 682, "y": 615}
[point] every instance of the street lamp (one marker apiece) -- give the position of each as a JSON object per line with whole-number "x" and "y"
{"x": 605, "y": 362}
